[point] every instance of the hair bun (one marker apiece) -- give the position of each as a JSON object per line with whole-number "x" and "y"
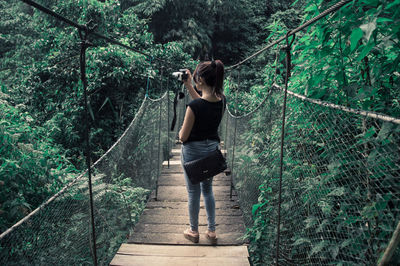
{"x": 213, "y": 64}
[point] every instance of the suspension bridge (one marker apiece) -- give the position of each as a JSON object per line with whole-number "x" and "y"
{"x": 318, "y": 184}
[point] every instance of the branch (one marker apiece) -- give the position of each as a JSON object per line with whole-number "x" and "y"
{"x": 394, "y": 242}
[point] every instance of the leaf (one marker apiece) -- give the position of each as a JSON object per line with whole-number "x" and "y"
{"x": 366, "y": 50}
{"x": 90, "y": 110}
{"x": 319, "y": 247}
{"x": 310, "y": 222}
{"x": 256, "y": 207}
{"x": 389, "y": 6}
{"x": 258, "y": 235}
{"x": 368, "y": 28}
{"x": 311, "y": 8}
{"x": 385, "y": 131}
{"x": 325, "y": 207}
{"x": 337, "y": 192}
{"x": 370, "y": 132}
{"x": 334, "y": 251}
{"x": 355, "y": 36}
{"x": 301, "y": 241}
{"x": 379, "y": 20}
{"x": 345, "y": 243}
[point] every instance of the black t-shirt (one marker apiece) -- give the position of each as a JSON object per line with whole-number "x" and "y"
{"x": 208, "y": 116}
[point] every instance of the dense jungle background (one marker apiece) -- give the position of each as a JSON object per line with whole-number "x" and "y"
{"x": 349, "y": 58}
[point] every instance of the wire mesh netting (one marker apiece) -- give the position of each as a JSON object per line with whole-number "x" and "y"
{"x": 59, "y": 233}
{"x": 340, "y": 186}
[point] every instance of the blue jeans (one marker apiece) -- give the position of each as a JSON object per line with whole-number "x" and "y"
{"x": 192, "y": 151}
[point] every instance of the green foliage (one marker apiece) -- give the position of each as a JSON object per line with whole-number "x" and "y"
{"x": 42, "y": 112}
{"x": 351, "y": 59}
{"x": 221, "y": 29}
{"x": 338, "y": 203}
{"x": 33, "y": 166}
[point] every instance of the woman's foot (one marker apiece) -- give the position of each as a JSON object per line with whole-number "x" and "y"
{"x": 212, "y": 237}
{"x": 191, "y": 235}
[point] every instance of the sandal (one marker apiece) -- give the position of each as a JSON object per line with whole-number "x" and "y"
{"x": 212, "y": 237}
{"x": 191, "y": 235}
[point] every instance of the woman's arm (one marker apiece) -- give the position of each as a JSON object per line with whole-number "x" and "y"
{"x": 187, "y": 126}
{"x": 188, "y": 84}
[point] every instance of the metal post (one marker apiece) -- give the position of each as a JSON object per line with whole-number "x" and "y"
{"x": 234, "y": 139}
{"x": 84, "y": 45}
{"x": 226, "y": 123}
{"x": 168, "y": 133}
{"x": 288, "y": 63}
{"x": 159, "y": 143}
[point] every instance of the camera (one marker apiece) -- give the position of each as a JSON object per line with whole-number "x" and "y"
{"x": 180, "y": 75}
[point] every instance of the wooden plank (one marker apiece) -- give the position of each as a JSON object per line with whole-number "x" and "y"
{"x": 221, "y": 176}
{"x": 173, "y": 169}
{"x": 171, "y": 162}
{"x": 128, "y": 260}
{"x": 179, "y": 193}
{"x": 182, "y": 187}
{"x": 180, "y": 182}
{"x": 176, "y": 152}
{"x": 183, "y": 251}
{"x": 178, "y": 179}
{"x": 184, "y": 211}
{"x": 224, "y": 239}
{"x": 221, "y": 204}
{"x": 175, "y": 198}
{"x": 184, "y": 219}
{"x": 178, "y": 228}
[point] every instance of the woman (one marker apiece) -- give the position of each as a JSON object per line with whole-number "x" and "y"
{"x": 199, "y": 135}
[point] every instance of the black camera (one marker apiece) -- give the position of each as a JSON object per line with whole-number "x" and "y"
{"x": 180, "y": 75}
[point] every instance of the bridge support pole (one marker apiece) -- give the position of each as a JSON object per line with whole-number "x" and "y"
{"x": 234, "y": 138}
{"x": 159, "y": 164}
{"x": 84, "y": 45}
{"x": 288, "y": 63}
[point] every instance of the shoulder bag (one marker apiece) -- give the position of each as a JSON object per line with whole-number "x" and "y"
{"x": 206, "y": 167}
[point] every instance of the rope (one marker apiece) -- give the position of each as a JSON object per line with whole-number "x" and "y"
{"x": 369, "y": 114}
{"x": 292, "y": 32}
{"x": 157, "y": 99}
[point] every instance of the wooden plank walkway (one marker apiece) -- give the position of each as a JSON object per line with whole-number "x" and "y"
{"x": 158, "y": 236}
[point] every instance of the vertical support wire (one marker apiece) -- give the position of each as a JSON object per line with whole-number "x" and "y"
{"x": 234, "y": 137}
{"x": 84, "y": 46}
{"x": 288, "y": 66}
{"x": 159, "y": 136}
{"x": 227, "y": 117}
{"x": 168, "y": 133}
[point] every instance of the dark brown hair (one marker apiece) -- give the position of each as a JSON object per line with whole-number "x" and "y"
{"x": 212, "y": 73}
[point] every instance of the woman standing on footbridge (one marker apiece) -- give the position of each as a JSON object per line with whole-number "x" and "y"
{"x": 199, "y": 135}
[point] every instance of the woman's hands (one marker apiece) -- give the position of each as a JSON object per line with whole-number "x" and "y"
{"x": 188, "y": 84}
{"x": 188, "y": 81}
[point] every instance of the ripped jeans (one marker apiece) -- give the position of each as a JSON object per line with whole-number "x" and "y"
{"x": 192, "y": 151}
